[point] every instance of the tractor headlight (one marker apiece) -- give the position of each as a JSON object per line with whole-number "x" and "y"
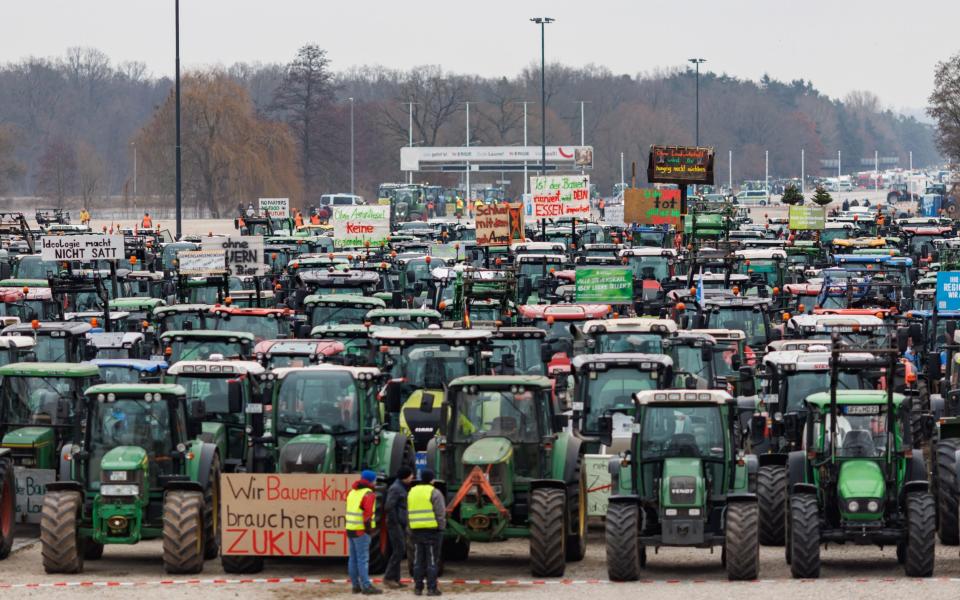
{"x": 117, "y": 476}
{"x": 853, "y": 506}
{"x": 873, "y": 506}
{"x": 119, "y": 490}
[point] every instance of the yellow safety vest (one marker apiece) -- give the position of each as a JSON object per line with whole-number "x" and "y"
{"x": 420, "y": 508}
{"x": 355, "y": 512}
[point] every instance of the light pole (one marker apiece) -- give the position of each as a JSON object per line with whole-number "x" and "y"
{"x": 410, "y": 137}
{"x": 542, "y": 22}
{"x": 177, "y": 87}
{"x": 351, "y": 147}
{"x": 134, "y": 144}
{"x": 696, "y": 62}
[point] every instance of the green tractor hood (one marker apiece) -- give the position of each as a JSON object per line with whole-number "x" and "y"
{"x": 124, "y": 458}
{"x": 37, "y": 439}
{"x": 682, "y": 483}
{"x": 861, "y": 479}
{"x": 488, "y": 451}
{"x": 308, "y": 453}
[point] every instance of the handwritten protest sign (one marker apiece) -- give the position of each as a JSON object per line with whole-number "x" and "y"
{"x": 680, "y": 164}
{"x": 354, "y": 226}
{"x": 288, "y": 514}
{"x": 558, "y": 196}
{"x": 493, "y": 225}
{"x": 201, "y": 262}
{"x": 84, "y": 248}
{"x": 31, "y": 486}
{"x": 243, "y": 254}
{"x": 650, "y": 206}
{"x": 275, "y": 207}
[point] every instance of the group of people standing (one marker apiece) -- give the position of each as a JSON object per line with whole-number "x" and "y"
{"x": 412, "y": 507}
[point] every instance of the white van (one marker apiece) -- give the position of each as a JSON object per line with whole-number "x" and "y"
{"x": 753, "y": 198}
{"x": 341, "y": 200}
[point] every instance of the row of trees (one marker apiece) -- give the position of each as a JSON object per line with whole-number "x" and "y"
{"x": 70, "y": 124}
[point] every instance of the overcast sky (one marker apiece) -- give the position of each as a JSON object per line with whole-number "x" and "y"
{"x": 887, "y": 46}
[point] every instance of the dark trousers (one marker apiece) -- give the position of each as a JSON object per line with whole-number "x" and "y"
{"x": 398, "y": 548}
{"x": 426, "y": 557}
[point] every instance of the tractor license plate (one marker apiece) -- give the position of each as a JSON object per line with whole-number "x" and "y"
{"x": 421, "y": 462}
{"x": 861, "y": 410}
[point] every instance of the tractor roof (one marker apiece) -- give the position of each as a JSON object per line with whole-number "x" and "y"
{"x": 200, "y": 334}
{"x": 344, "y": 299}
{"x": 8, "y": 342}
{"x": 673, "y": 397}
{"x": 352, "y": 330}
{"x": 403, "y": 314}
{"x": 135, "y": 389}
{"x": 22, "y": 283}
{"x": 302, "y": 347}
{"x": 49, "y": 369}
{"x": 517, "y": 332}
{"x": 227, "y": 367}
{"x": 838, "y": 323}
{"x": 113, "y": 339}
{"x": 761, "y": 254}
{"x": 235, "y": 311}
{"x": 355, "y": 372}
{"x": 482, "y": 381}
{"x": 150, "y": 275}
{"x": 735, "y": 302}
{"x": 565, "y": 312}
{"x": 632, "y": 324}
{"x": 48, "y": 327}
{"x": 648, "y": 251}
{"x": 430, "y": 335}
{"x": 635, "y": 360}
{"x": 146, "y": 366}
{"x": 723, "y": 334}
{"x": 141, "y": 303}
{"x": 814, "y": 358}
{"x": 855, "y": 397}
{"x": 161, "y": 311}
{"x": 802, "y": 345}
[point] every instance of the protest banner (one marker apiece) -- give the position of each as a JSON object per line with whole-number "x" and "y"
{"x": 807, "y": 218}
{"x": 243, "y": 254}
{"x": 651, "y": 206}
{"x": 31, "y": 486}
{"x": 610, "y": 285}
{"x": 275, "y": 207}
{"x": 289, "y": 514}
{"x": 613, "y": 215}
{"x": 83, "y": 248}
{"x": 354, "y": 226}
{"x": 493, "y": 225}
{"x": 558, "y": 196}
{"x": 201, "y": 262}
{"x": 680, "y": 164}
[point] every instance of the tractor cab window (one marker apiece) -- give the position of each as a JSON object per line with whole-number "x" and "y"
{"x": 861, "y": 431}
{"x": 137, "y": 423}
{"x": 517, "y": 357}
{"x": 432, "y": 366}
{"x": 202, "y": 349}
{"x": 649, "y": 267}
{"x": 318, "y": 403}
{"x": 212, "y": 391}
{"x": 39, "y": 400}
{"x": 649, "y": 343}
{"x": 203, "y": 295}
{"x": 804, "y": 383}
{"x": 500, "y": 413}
{"x": 682, "y": 432}
{"x": 262, "y": 327}
{"x": 52, "y": 349}
{"x": 689, "y": 363}
{"x": 338, "y": 314}
{"x": 612, "y": 390}
{"x": 751, "y": 322}
{"x": 180, "y": 321}
{"x": 119, "y": 375}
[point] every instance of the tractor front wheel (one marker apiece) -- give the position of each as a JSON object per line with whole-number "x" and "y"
{"x": 741, "y": 542}
{"x": 804, "y": 537}
{"x": 624, "y": 552}
{"x": 8, "y": 508}
{"x": 455, "y": 549}
{"x": 59, "y": 533}
{"x": 577, "y": 505}
{"x": 183, "y": 532}
{"x": 241, "y": 565}
{"x": 948, "y": 491}
{"x": 921, "y": 517}
{"x": 772, "y": 499}
{"x": 211, "y": 512}
{"x": 92, "y": 550}
{"x": 548, "y": 526}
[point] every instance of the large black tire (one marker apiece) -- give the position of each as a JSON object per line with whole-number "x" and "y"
{"x": 241, "y": 564}
{"x": 772, "y": 500}
{"x": 948, "y": 492}
{"x": 921, "y": 517}
{"x": 547, "y": 528}
{"x": 577, "y": 509}
{"x": 804, "y": 537}
{"x": 62, "y": 547}
{"x": 379, "y": 551}
{"x": 455, "y": 550}
{"x": 183, "y": 532}
{"x": 741, "y": 541}
{"x": 8, "y": 508}
{"x": 92, "y": 550}
{"x": 211, "y": 512}
{"x": 624, "y": 550}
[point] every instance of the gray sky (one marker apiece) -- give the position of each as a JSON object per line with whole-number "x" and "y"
{"x": 887, "y": 46}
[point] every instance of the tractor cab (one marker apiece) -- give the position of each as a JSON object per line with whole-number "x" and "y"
{"x": 765, "y": 266}
{"x": 54, "y": 341}
{"x": 559, "y": 321}
{"x": 749, "y": 315}
{"x": 120, "y": 345}
{"x": 144, "y": 284}
{"x": 274, "y": 354}
{"x": 17, "y": 349}
{"x": 200, "y": 344}
{"x": 734, "y": 362}
{"x": 854, "y": 331}
{"x": 533, "y": 274}
{"x": 692, "y": 355}
{"x": 339, "y": 309}
{"x": 636, "y": 334}
{"x": 404, "y": 318}
{"x": 516, "y": 351}
{"x": 356, "y": 339}
{"x": 263, "y": 323}
{"x": 40, "y": 409}
{"x": 652, "y": 267}
{"x": 183, "y": 317}
{"x": 28, "y": 302}
{"x": 139, "y": 312}
{"x": 319, "y": 282}
{"x": 120, "y": 370}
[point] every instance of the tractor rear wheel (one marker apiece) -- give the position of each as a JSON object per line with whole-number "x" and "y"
{"x": 624, "y": 551}
{"x": 183, "y": 532}
{"x": 241, "y": 564}
{"x": 548, "y": 524}
{"x": 379, "y": 550}
{"x": 92, "y": 550}
{"x": 741, "y": 542}
{"x": 577, "y": 505}
{"x": 804, "y": 537}
{"x": 8, "y": 507}
{"x": 60, "y": 533}
{"x": 920, "y": 548}
{"x": 948, "y": 491}
{"x": 455, "y": 549}
{"x": 211, "y": 512}
{"x": 772, "y": 500}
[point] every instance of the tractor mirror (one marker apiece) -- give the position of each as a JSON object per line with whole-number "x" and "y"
{"x": 197, "y": 410}
{"x": 902, "y": 335}
{"x": 234, "y": 397}
{"x": 427, "y": 401}
{"x": 748, "y": 386}
{"x": 560, "y": 422}
{"x": 735, "y": 361}
{"x": 605, "y": 429}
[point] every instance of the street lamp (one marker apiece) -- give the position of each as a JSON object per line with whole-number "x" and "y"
{"x": 351, "y": 146}
{"x": 177, "y": 86}
{"x": 542, "y": 22}
{"x": 696, "y": 62}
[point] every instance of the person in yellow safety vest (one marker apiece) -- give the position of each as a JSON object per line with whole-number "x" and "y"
{"x": 84, "y": 217}
{"x": 459, "y": 207}
{"x": 426, "y": 514}
{"x": 361, "y": 506}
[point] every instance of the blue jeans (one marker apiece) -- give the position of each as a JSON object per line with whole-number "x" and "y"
{"x": 358, "y": 564}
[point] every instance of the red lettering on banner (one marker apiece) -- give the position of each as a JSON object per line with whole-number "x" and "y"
{"x": 233, "y": 547}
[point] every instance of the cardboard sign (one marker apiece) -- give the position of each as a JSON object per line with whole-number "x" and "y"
{"x": 598, "y": 483}
{"x": 288, "y": 514}
{"x": 518, "y": 232}
{"x": 201, "y": 262}
{"x": 354, "y": 226}
{"x": 84, "y": 248}
{"x": 948, "y": 290}
{"x": 559, "y": 196}
{"x": 243, "y": 254}
{"x": 807, "y": 218}
{"x": 493, "y": 225}
{"x": 609, "y": 285}
{"x": 680, "y": 164}
{"x": 650, "y": 206}
{"x": 613, "y": 215}
{"x": 275, "y": 207}
{"x": 31, "y": 486}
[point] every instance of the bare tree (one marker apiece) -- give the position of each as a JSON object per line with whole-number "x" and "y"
{"x": 11, "y": 169}
{"x": 435, "y": 96}
{"x": 91, "y": 172}
{"x": 945, "y": 106}
{"x": 57, "y": 174}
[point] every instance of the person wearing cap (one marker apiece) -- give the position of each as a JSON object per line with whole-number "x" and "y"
{"x": 361, "y": 505}
{"x": 426, "y": 513}
{"x": 395, "y": 511}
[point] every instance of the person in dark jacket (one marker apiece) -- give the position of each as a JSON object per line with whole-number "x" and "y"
{"x": 395, "y": 510}
{"x": 427, "y": 516}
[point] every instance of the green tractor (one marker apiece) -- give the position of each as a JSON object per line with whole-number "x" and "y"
{"x": 859, "y": 480}
{"x": 134, "y": 475}
{"x": 683, "y": 483}
{"x": 322, "y": 419}
{"x": 510, "y": 470}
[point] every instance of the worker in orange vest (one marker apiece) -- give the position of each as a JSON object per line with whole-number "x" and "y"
{"x": 147, "y": 222}
{"x": 297, "y": 219}
{"x": 314, "y": 219}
